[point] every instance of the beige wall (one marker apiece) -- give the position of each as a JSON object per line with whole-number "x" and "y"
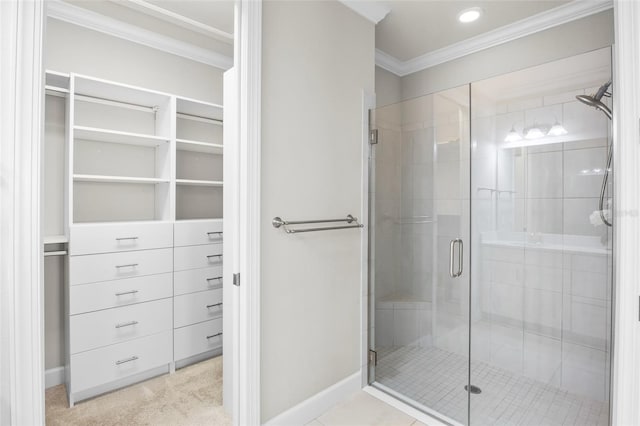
{"x": 317, "y": 58}
{"x": 388, "y": 87}
{"x": 576, "y": 37}
{"x": 70, "y": 48}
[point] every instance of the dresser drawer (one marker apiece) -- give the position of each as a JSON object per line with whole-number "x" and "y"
{"x": 193, "y": 257}
{"x": 195, "y": 339}
{"x": 111, "y": 294}
{"x": 197, "y": 232}
{"x": 115, "y": 266}
{"x": 104, "y": 365}
{"x": 197, "y": 307}
{"x": 197, "y": 280}
{"x": 108, "y": 238}
{"x": 103, "y": 328}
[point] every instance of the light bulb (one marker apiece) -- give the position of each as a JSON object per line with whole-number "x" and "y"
{"x": 513, "y": 136}
{"x": 534, "y": 133}
{"x": 557, "y": 130}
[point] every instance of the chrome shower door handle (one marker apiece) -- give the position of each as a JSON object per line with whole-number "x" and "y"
{"x": 460, "y": 256}
{"x": 452, "y": 250}
{"x": 452, "y": 246}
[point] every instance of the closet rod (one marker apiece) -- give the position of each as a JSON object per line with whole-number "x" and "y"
{"x": 110, "y": 102}
{"x": 198, "y": 118}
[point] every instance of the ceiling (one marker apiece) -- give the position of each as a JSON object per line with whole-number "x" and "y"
{"x": 412, "y": 28}
{"x": 415, "y": 28}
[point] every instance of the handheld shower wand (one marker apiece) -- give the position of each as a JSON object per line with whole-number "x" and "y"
{"x": 595, "y": 102}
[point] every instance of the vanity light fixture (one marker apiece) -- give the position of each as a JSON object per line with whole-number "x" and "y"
{"x": 534, "y": 133}
{"x": 513, "y": 136}
{"x": 557, "y": 130}
{"x": 469, "y": 15}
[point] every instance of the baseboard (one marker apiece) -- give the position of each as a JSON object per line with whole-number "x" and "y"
{"x": 53, "y": 377}
{"x": 117, "y": 384}
{"x": 318, "y": 404}
{"x": 197, "y": 358}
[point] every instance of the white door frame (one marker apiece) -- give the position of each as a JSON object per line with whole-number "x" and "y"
{"x": 248, "y": 65}
{"x": 626, "y": 352}
{"x": 21, "y": 262}
{"x": 21, "y": 304}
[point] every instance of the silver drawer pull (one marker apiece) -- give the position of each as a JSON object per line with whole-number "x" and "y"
{"x": 211, "y": 306}
{"x": 211, "y": 256}
{"x": 129, "y": 265}
{"x": 126, "y": 238}
{"x": 126, "y": 324}
{"x": 122, "y": 361}
{"x": 127, "y": 292}
{"x": 214, "y": 278}
{"x": 214, "y": 233}
{"x": 214, "y": 335}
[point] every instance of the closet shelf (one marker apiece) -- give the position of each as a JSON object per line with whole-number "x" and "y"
{"x": 198, "y": 182}
{"x": 191, "y": 108}
{"x": 117, "y": 179}
{"x": 196, "y": 146}
{"x": 56, "y": 239}
{"x": 116, "y": 136}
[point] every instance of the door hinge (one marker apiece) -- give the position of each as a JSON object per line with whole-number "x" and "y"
{"x": 373, "y": 357}
{"x": 236, "y": 279}
{"x": 373, "y": 136}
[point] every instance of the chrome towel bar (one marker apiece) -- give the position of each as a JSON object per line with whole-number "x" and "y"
{"x": 278, "y": 222}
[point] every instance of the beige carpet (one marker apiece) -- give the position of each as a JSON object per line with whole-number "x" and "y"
{"x": 191, "y": 396}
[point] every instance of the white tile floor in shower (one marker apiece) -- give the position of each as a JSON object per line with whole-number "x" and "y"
{"x": 435, "y": 378}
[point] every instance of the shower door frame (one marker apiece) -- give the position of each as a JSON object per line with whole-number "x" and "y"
{"x": 424, "y": 414}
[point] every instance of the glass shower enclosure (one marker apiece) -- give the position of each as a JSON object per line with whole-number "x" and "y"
{"x": 490, "y": 264}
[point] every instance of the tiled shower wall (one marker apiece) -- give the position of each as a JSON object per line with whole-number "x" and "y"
{"x": 545, "y": 310}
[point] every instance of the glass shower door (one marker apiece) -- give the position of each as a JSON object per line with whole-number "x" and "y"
{"x": 419, "y": 252}
{"x": 542, "y": 256}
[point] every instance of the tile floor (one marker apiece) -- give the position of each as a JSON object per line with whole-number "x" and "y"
{"x": 362, "y": 409}
{"x": 436, "y": 379}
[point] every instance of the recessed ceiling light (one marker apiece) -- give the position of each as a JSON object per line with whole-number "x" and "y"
{"x": 469, "y": 15}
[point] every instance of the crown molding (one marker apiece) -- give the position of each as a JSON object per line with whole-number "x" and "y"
{"x": 177, "y": 19}
{"x": 572, "y": 11}
{"x": 66, "y": 12}
{"x": 389, "y": 63}
{"x": 370, "y": 10}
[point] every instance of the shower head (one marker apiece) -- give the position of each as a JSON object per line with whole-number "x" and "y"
{"x": 595, "y": 101}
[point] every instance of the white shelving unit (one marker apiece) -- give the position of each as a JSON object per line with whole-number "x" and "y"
{"x": 142, "y": 214}
{"x": 199, "y": 154}
{"x": 121, "y": 152}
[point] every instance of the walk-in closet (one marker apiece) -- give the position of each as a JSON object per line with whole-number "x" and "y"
{"x": 133, "y": 210}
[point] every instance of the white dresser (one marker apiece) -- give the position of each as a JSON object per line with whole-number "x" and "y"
{"x": 197, "y": 289}
{"x": 119, "y": 304}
